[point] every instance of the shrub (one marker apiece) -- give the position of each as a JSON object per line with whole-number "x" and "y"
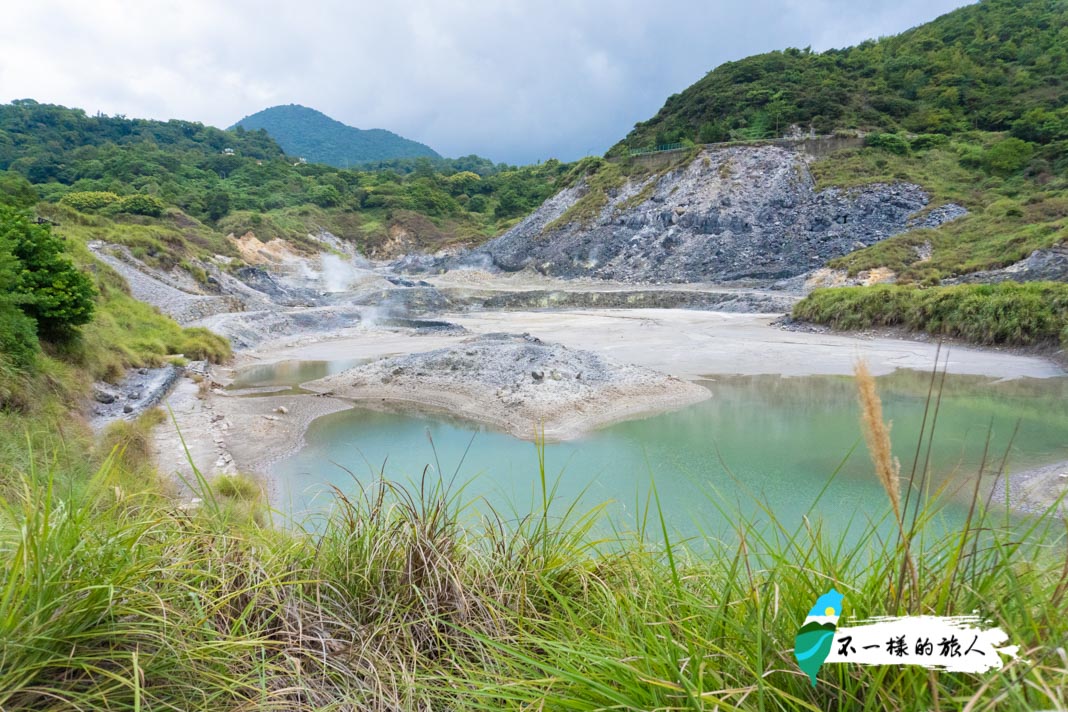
{"x": 18, "y": 332}
{"x": 462, "y": 182}
{"x": 1041, "y": 126}
{"x": 477, "y": 204}
{"x": 141, "y": 205}
{"x": 894, "y": 143}
{"x": 1007, "y": 157}
{"x": 89, "y": 201}
{"x": 325, "y": 196}
{"x": 924, "y": 142}
{"x": 49, "y": 287}
{"x": 16, "y": 190}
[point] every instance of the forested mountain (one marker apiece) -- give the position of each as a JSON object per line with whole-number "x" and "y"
{"x": 998, "y": 65}
{"x": 316, "y": 137}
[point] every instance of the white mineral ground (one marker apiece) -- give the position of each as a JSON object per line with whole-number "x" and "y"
{"x": 247, "y": 434}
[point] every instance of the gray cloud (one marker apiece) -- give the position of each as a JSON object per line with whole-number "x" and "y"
{"x": 516, "y": 81}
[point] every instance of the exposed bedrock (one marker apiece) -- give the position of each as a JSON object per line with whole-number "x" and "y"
{"x": 744, "y": 213}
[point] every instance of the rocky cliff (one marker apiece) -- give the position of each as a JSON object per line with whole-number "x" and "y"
{"x": 739, "y": 213}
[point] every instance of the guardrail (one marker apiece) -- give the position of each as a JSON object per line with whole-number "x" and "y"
{"x": 816, "y": 145}
{"x": 658, "y": 149}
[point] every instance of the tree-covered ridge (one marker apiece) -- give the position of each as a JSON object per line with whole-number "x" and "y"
{"x": 318, "y": 138}
{"x": 998, "y": 65}
{"x": 42, "y": 141}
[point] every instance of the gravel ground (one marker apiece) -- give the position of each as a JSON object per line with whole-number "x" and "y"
{"x": 176, "y": 303}
{"x": 1035, "y": 491}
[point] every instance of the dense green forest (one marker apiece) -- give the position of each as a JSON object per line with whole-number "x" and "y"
{"x": 313, "y": 135}
{"x": 240, "y": 180}
{"x": 999, "y": 65}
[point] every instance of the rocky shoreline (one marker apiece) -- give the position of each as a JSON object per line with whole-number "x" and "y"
{"x": 1036, "y": 490}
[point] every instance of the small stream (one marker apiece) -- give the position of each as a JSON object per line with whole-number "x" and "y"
{"x": 760, "y": 442}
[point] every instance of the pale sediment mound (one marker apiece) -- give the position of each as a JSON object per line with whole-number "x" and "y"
{"x": 256, "y": 252}
{"x": 517, "y": 383}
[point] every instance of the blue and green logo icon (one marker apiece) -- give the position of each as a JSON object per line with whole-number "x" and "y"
{"x": 816, "y": 637}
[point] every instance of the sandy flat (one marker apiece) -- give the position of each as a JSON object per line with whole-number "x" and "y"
{"x": 683, "y": 343}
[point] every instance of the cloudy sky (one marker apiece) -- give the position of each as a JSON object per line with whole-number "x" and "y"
{"x": 513, "y": 80}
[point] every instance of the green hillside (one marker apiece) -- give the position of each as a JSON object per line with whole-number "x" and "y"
{"x": 185, "y": 181}
{"x": 999, "y": 65}
{"x": 313, "y": 135}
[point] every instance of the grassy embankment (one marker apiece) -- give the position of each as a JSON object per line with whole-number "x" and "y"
{"x": 40, "y": 402}
{"x": 113, "y": 598}
{"x": 1008, "y": 313}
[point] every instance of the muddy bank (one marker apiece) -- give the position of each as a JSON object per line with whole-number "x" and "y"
{"x": 220, "y": 433}
{"x": 518, "y": 384}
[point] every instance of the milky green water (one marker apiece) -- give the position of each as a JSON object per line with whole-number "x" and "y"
{"x": 761, "y": 441}
{"x": 286, "y": 376}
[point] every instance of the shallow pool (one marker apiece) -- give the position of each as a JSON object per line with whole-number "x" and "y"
{"x": 759, "y": 442}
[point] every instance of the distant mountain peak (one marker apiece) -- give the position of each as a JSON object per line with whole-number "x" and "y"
{"x": 307, "y": 133}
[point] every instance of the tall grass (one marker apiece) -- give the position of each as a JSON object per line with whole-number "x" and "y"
{"x": 1005, "y": 313}
{"x": 116, "y": 598}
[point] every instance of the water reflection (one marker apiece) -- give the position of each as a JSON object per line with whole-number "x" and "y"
{"x": 285, "y": 377}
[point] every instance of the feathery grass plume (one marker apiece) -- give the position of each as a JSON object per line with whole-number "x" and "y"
{"x": 887, "y": 467}
{"x": 877, "y": 435}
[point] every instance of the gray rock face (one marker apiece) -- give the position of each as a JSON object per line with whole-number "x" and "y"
{"x": 732, "y": 214}
{"x": 161, "y": 290}
{"x": 139, "y": 390}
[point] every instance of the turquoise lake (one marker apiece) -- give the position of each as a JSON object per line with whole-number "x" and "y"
{"x": 759, "y": 442}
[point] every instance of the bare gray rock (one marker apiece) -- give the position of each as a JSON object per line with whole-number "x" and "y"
{"x": 739, "y": 213}
{"x": 139, "y": 390}
{"x": 103, "y": 394}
